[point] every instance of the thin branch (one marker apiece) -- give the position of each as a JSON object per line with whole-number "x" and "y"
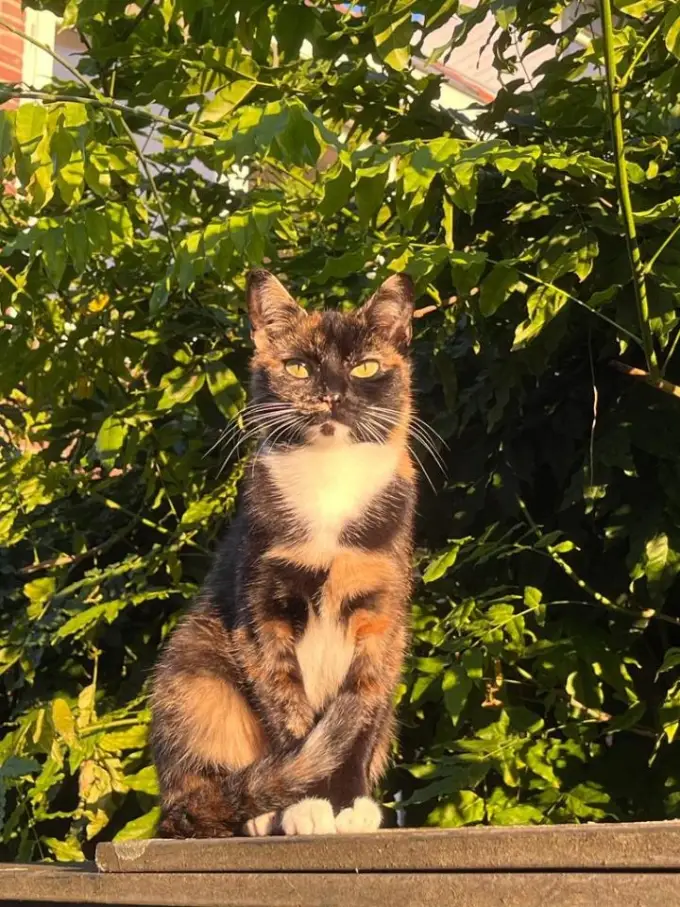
{"x": 105, "y": 102}
{"x": 575, "y": 299}
{"x": 637, "y": 267}
{"x": 596, "y": 398}
{"x": 673, "y": 348}
{"x": 667, "y": 241}
{"x": 640, "y": 54}
{"x": 659, "y": 383}
{"x": 5, "y": 273}
{"x": 647, "y": 614}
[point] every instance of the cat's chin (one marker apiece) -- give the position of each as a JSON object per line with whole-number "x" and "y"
{"x": 329, "y": 434}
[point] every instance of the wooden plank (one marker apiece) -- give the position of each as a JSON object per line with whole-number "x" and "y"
{"x": 646, "y": 845}
{"x": 463, "y": 889}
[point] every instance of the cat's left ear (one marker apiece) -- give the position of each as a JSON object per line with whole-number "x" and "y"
{"x": 390, "y": 309}
{"x": 271, "y": 308}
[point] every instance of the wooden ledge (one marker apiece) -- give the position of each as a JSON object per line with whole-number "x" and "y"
{"x": 567, "y": 865}
{"x": 463, "y": 889}
{"x": 647, "y": 845}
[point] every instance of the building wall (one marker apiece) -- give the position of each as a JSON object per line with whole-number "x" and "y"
{"x": 11, "y": 49}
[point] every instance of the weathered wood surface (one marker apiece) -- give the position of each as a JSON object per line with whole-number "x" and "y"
{"x": 566, "y": 866}
{"x": 465, "y": 889}
{"x": 648, "y": 845}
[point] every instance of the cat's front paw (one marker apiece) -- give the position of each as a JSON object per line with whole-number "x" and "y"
{"x": 364, "y": 815}
{"x": 261, "y": 826}
{"x": 312, "y": 816}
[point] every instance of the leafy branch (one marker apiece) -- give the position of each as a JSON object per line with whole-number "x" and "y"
{"x": 616, "y": 124}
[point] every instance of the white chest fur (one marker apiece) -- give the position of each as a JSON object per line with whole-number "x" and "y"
{"x": 324, "y": 654}
{"x": 326, "y": 486}
{"x": 329, "y": 486}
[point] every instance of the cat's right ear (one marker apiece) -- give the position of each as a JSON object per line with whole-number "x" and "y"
{"x": 271, "y": 308}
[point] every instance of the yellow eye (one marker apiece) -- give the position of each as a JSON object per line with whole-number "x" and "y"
{"x": 296, "y": 368}
{"x": 366, "y": 369}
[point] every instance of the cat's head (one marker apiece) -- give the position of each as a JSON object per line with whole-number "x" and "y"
{"x": 330, "y": 377}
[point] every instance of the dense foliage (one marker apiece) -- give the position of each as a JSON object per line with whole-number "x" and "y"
{"x": 543, "y": 685}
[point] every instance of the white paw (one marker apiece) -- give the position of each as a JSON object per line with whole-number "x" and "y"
{"x": 260, "y": 826}
{"x": 363, "y": 816}
{"x": 309, "y": 817}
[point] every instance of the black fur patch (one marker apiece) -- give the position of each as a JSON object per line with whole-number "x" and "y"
{"x": 383, "y": 520}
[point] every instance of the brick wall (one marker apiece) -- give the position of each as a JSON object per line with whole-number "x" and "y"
{"x": 11, "y": 46}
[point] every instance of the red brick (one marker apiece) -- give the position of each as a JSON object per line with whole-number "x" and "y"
{"x": 10, "y": 42}
{"x": 9, "y": 75}
{"x": 11, "y": 46}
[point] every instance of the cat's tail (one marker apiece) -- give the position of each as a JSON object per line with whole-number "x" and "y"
{"x": 276, "y": 782}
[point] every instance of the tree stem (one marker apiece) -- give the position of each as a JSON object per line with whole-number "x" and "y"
{"x": 637, "y": 267}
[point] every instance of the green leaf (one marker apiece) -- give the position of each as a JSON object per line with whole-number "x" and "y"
{"x": 29, "y": 124}
{"x": 542, "y": 305}
{"x": 133, "y": 738}
{"x": 656, "y": 557}
{"x": 337, "y": 187}
{"x": 505, "y": 12}
{"x": 532, "y": 597}
{"x": 77, "y": 244}
{"x": 145, "y": 781}
{"x": 392, "y": 36}
{"x": 225, "y": 388}
{"x": 462, "y": 808}
{"x": 110, "y": 439}
{"x": 671, "y": 659}
{"x": 441, "y": 564}
{"x": 496, "y": 288}
{"x": 18, "y": 767}
{"x": 628, "y": 719}
{"x": 671, "y": 29}
{"x": 456, "y": 777}
{"x": 370, "y": 191}
{"x": 463, "y": 186}
{"x": 141, "y": 828}
{"x": 538, "y": 761}
{"x": 456, "y": 686}
{"x": 589, "y": 801}
{"x": 62, "y": 719}
{"x": 639, "y": 8}
{"x": 517, "y": 815}
{"x": 179, "y": 386}
{"x": 119, "y": 225}
{"x": 226, "y": 99}
{"x": 86, "y": 706}
{"x": 39, "y": 592}
{"x": 669, "y": 712}
{"x": 68, "y": 851}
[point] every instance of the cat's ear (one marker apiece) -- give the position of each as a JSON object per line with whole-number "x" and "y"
{"x": 390, "y": 309}
{"x": 271, "y": 308}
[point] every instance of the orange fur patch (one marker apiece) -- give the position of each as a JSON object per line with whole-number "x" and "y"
{"x": 355, "y": 572}
{"x": 368, "y": 623}
{"x": 219, "y": 722}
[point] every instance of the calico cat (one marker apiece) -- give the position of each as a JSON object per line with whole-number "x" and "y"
{"x": 272, "y": 703}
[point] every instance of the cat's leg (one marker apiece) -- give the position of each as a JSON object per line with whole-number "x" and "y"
{"x": 273, "y": 672}
{"x": 351, "y": 786}
{"x": 337, "y": 796}
{"x": 367, "y": 695}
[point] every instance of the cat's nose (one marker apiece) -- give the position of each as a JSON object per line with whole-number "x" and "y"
{"x": 331, "y": 399}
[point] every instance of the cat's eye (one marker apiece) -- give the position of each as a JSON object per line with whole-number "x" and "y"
{"x": 296, "y": 368}
{"x": 366, "y": 369}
